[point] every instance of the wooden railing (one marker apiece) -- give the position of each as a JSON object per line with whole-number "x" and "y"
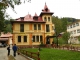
{"x": 34, "y": 55}
{"x": 68, "y": 48}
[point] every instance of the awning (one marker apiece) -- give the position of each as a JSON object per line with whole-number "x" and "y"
{"x": 4, "y": 39}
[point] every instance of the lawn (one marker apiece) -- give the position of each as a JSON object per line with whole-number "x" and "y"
{"x": 56, "y": 54}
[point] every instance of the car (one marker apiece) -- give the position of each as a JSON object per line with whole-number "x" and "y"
{"x": 1, "y": 45}
{"x": 4, "y": 45}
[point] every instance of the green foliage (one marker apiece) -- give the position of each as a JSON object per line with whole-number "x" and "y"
{"x": 61, "y": 41}
{"x": 64, "y": 24}
{"x": 61, "y": 23}
{"x": 58, "y": 24}
{"x": 2, "y": 20}
{"x": 3, "y": 6}
{"x": 66, "y": 37}
{"x": 8, "y": 27}
{"x": 79, "y": 38}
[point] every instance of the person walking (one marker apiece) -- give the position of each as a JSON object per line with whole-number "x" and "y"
{"x": 14, "y": 50}
{"x": 8, "y": 48}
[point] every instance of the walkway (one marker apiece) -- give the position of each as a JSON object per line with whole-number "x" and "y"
{"x": 3, "y": 55}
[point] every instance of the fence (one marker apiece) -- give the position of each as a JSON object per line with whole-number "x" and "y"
{"x": 30, "y": 54}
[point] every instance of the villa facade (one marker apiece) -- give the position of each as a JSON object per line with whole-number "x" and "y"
{"x": 32, "y": 30}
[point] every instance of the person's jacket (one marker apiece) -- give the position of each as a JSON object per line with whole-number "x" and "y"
{"x": 14, "y": 48}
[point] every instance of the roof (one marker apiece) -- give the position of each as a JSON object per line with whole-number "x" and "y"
{"x": 32, "y": 19}
{"x": 28, "y": 18}
{"x": 4, "y": 39}
{"x": 46, "y": 10}
{"x": 6, "y": 35}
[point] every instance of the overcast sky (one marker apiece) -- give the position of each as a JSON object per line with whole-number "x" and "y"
{"x": 61, "y": 8}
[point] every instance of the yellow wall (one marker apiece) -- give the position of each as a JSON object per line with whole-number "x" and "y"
{"x": 29, "y": 32}
{"x": 50, "y": 25}
{"x": 22, "y": 41}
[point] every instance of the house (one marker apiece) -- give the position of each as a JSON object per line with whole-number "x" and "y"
{"x": 32, "y": 30}
{"x": 6, "y": 38}
{"x": 74, "y": 30}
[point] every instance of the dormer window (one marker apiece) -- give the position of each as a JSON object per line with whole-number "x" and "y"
{"x": 22, "y": 18}
{"x": 35, "y": 18}
{"x": 45, "y": 19}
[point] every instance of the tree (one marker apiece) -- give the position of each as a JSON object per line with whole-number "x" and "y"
{"x": 4, "y": 4}
{"x": 64, "y": 24}
{"x": 66, "y": 37}
{"x": 58, "y": 24}
{"x": 8, "y": 26}
{"x": 1, "y": 19}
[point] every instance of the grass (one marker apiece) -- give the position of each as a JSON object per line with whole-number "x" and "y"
{"x": 55, "y": 54}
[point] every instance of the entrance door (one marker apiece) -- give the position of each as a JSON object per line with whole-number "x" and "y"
{"x": 47, "y": 40}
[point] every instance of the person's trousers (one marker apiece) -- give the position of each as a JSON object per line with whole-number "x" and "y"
{"x": 8, "y": 52}
{"x": 14, "y": 53}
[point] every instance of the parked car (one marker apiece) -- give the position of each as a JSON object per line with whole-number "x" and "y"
{"x": 1, "y": 45}
{"x": 4, "y": 45}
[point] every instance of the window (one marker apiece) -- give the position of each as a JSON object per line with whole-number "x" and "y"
{"x": 22, "y": 18}
{"x": 33, "y": 38}
{"x": 19, "y": 38}
{"x": 35, "y": 27}
{"x": 48, "y": 18}
{"x": 21, "y": 27}
{"x": 45, "y": 19}
{"x": 37, "y": 38}
{"x": 77, "y": 24}
{"x": 47, "y": 28}
{"x": 39, "y": 26}
{"x": 25, "y": 38}
{"x": 78, "y": 31}
{"x": 74, "y": 31}
{"x": 41, "y": 39}
{"x": 73, "y": 25}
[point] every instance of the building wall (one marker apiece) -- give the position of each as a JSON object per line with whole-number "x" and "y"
{"x": 30, "y": 32}
{"x": 50, "y": 25}
{"x": 74, "y": 33}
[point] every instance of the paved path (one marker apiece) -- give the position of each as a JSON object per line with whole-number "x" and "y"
{"x": 3, "y": 55}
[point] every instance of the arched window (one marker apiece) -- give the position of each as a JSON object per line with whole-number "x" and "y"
{"x": 45, "y": 19}
{"x": 49, "y": 19}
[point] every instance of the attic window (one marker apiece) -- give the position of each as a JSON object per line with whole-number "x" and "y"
{"x": 22, "y": 18}
{"x": 35, "y": 18}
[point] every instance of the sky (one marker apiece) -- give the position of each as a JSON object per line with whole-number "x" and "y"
{"x": 61, "y": 8}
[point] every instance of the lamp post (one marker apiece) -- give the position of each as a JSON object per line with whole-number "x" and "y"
{"x": 56, "y": 37}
